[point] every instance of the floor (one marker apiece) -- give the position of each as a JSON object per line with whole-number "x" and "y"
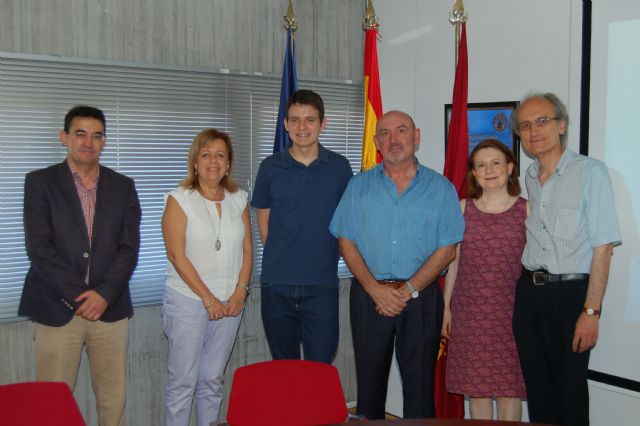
{"x": 387, "y": 416}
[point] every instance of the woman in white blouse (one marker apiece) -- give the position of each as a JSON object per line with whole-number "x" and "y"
{"x": 207, "y": 233}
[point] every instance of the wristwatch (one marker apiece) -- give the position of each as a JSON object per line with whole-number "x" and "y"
{"x": 412, "y": 290}
{"x": 590, "y": 311}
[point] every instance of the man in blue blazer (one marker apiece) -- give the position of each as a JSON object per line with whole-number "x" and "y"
{"x": 82, "y": 229}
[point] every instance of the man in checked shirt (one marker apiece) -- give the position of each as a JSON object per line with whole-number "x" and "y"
{"x": 571, "y": 232}
{"x": 82, "y": 232}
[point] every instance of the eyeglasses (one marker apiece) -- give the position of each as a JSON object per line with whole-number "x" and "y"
{"x": 525, "y": 126}
{"x": 82, "y": 135}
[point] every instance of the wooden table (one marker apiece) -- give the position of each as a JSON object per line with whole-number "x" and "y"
{"x": 440, "y": 422}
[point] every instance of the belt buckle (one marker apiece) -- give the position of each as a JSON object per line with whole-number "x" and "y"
{"x": 539, "y": 278}
{"x": 392, "y": 283}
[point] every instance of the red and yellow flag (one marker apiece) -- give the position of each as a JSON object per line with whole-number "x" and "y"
{"x": 372, "y": 99}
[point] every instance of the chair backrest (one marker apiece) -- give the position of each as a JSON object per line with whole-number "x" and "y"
{"x": 286, "y": 392}
{"x": 38, "y": 403}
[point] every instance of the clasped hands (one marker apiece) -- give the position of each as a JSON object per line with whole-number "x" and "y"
{"x": 390, "y": 301}
{"x": 217, "y": 310}
{"x": 92, "y": 307}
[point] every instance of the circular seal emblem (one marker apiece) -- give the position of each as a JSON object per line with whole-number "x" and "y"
{"x": 500, "y": 122}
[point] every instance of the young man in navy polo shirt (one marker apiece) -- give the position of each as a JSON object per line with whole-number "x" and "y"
{"x": 295, "y": 194}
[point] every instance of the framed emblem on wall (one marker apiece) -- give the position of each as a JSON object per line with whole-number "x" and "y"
{"x": 487, "y": 120}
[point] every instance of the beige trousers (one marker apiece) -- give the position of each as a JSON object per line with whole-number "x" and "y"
{"x": 58, "y": 352}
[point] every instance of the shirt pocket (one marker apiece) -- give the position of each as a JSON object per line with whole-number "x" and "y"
{"x": 567, "y": 224}
{"x": 420, "y": 229}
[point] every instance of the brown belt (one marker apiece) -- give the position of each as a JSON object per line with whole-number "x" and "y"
{"x": 392, "y": 283}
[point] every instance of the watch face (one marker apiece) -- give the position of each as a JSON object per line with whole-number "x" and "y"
{"x": 590, "y": 311}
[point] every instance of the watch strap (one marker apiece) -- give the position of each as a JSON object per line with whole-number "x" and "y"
{"x": 412, "y": 290}
{"x": 591, "y": 311}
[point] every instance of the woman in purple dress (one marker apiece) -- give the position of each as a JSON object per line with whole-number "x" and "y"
{"x": 482, "y": 360}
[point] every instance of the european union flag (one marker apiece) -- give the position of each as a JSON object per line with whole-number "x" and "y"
{"x": 289, "y": 85}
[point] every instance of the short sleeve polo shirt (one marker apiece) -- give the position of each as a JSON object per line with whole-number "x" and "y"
{"x": 299, "y": 249}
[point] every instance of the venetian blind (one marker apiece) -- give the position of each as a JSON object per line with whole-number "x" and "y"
{"x": 152, "y": 115}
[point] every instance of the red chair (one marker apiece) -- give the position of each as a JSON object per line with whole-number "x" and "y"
{"x": 286, "y": 393}
{"x": 38, "y": 403}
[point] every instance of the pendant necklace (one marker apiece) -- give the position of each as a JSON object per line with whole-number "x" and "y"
{"x": 217, "y": 245}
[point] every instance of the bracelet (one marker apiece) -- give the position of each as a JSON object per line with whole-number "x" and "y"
{"x": 245, "y": 287}
{"x": 209, "y": 303}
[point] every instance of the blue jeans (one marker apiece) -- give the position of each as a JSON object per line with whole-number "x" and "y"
{"x": 307, "y": 315}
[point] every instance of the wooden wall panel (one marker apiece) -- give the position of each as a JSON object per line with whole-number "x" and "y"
{"x": 241, "y": 35}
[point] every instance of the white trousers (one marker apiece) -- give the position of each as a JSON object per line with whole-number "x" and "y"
{"x": 199, "y": 350}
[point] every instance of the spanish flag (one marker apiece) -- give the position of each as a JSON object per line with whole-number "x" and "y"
{"x": 372, "y": 98}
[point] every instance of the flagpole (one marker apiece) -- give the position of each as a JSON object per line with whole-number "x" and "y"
{"x": 289, "y": 82}
{"x": 290, "y": 23}
{"x": 456, "y": 17}
{"x": 456, "y": 158}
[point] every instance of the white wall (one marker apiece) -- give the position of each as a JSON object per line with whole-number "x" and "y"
{"x": 515, "y": 47}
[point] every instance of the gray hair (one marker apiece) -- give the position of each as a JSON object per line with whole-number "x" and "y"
{"x": 560, "y": 111}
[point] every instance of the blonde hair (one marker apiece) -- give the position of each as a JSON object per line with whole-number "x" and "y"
{"x": 202, "y": 139}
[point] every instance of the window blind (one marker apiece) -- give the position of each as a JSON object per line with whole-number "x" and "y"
{"x": 152, "y": 113}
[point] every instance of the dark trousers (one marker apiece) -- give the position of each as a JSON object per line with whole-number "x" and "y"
{"x": 544, "y": 320}
{"x": 415, "y": 333}
{"x": 295, "y": 315}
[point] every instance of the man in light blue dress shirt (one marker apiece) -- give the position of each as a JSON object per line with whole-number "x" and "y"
{"x": 571, "y": 232}
{"x": 398, "y": 225}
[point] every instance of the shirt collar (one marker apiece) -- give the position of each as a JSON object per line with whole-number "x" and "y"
{"x": 288, "y": 160}
{"x": 380, "y": 167}
{"x": 565, "y": 159}
{"x": 78, "y": 179}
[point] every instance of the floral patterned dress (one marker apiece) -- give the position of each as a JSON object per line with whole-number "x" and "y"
{"x": 482, "y": 359}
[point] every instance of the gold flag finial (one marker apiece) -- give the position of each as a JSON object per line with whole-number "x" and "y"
{"x": 370, "y": 18}
{"x": 457, "y": 15}
{"x": 290, "y": 22}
